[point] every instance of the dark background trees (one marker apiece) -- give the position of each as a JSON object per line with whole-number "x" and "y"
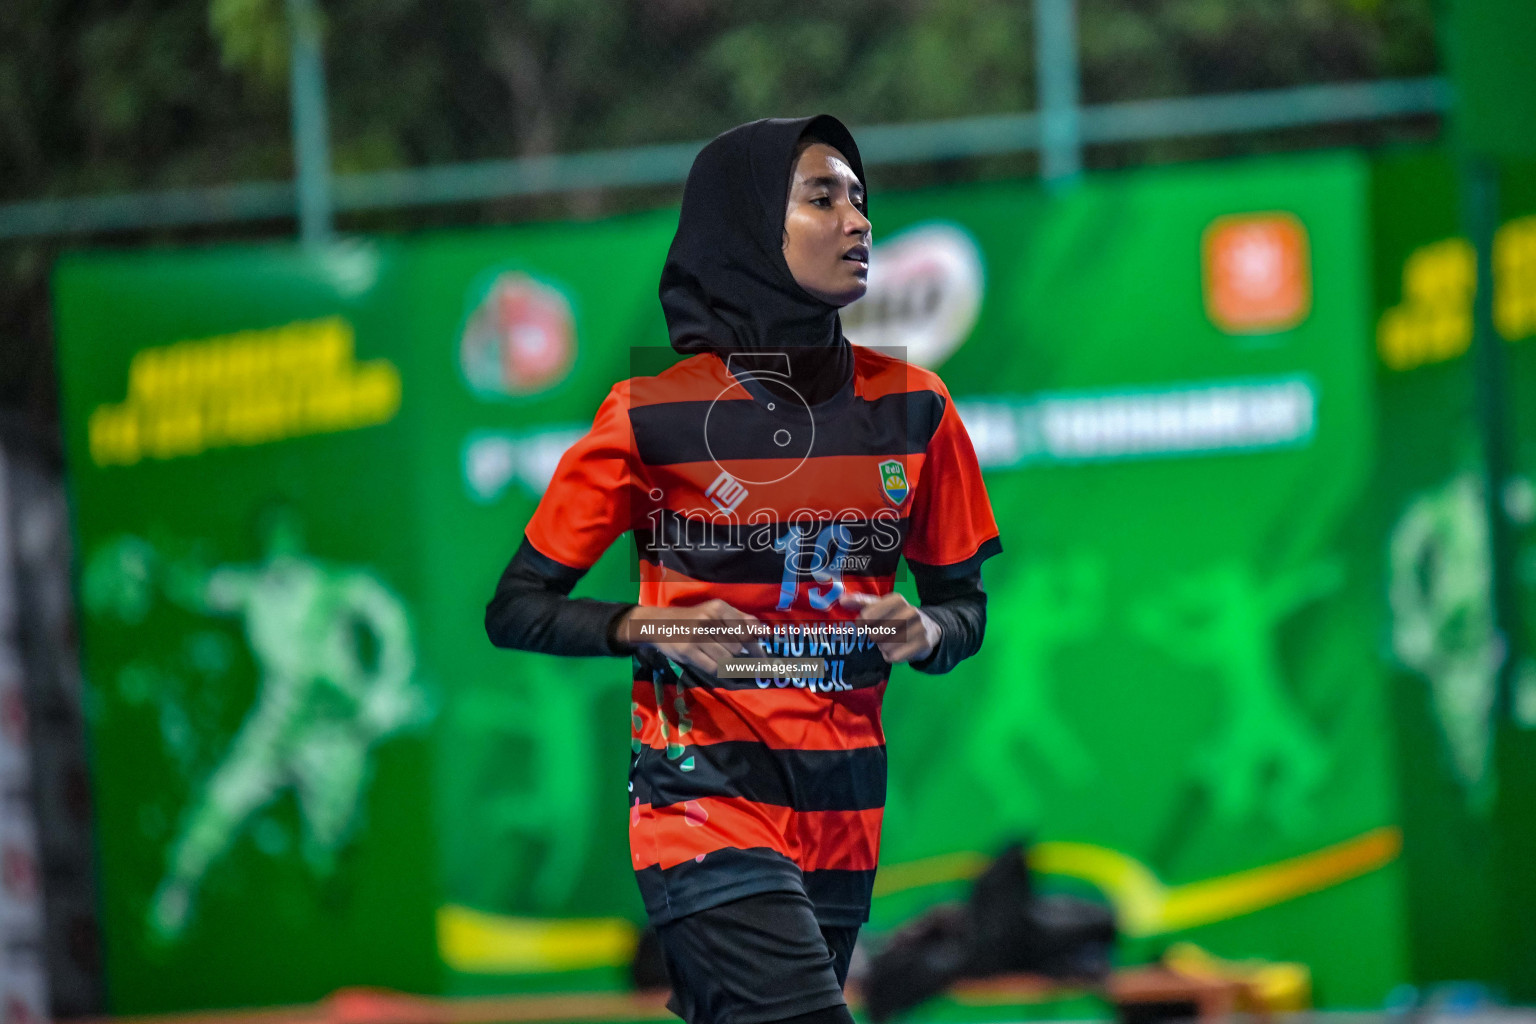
{"x": 104, "y": 96}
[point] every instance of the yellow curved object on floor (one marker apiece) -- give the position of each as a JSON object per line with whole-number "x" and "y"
{"x": 474, "y": 942}
{"x": 1144, "y": 905}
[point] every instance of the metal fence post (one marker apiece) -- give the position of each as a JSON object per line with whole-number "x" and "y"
{"x": 1056, "y": 74}
{"x": 311, "y": 144}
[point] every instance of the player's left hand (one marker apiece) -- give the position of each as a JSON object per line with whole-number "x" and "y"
{"x": 916, "y": 633}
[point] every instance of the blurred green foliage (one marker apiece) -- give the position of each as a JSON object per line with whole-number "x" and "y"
{"x": 100, "y": 94}
{"x": 108, "y": 95}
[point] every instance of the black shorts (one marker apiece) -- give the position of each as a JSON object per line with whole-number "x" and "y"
{"x": 757, "y": 959}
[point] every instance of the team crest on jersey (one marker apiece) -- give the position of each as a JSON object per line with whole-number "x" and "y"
{"x": 893, "y": 480}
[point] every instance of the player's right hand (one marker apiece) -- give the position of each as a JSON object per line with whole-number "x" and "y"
{"x": 703, "y": 654}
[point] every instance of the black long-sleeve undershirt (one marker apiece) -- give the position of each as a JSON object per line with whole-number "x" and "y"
{"x": 959, "y": 605}
{"x": 532, "y": 611}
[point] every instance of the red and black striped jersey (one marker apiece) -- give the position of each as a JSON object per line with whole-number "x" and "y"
{"x": 733, "y": 492}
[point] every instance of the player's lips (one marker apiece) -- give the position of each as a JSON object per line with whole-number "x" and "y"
{"x": 858, "y": 254}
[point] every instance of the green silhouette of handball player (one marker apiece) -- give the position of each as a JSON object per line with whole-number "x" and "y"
{"x": 1053, "y": 603}
{"x": 336, "y": 663}
{"x": 1440, "y": 588}
{"x": 1224, "y": 619}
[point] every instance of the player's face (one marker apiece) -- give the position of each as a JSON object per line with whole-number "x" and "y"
{"x": 826, "y": 235}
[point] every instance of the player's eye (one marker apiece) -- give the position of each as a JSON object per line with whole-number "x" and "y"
{"x": 823, "y": 200}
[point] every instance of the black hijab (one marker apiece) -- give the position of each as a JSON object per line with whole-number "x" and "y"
{"x": 725, "y": 286}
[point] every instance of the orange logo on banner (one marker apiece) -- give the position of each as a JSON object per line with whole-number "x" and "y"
{"x": 1258, "y": 275}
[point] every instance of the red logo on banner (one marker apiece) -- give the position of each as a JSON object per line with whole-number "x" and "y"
{"x": 520, "y": 339}
{"x": 1258, "y": 273}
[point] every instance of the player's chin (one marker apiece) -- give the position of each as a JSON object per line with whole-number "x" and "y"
{"x": 853, "y": 287}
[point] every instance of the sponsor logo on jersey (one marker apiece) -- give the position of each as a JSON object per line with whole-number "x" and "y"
{"x": 893, "y": 481}
{"x": 726, "y": 492}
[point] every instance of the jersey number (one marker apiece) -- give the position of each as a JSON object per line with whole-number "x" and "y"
{"x": 816, "y": 559}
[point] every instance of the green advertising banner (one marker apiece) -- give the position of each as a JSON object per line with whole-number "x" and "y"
{"x": 1443, "y": 663}
{"x": 1178, "y": 696}
{"x": 1514, "y": 264}
{"x": 261, "y": 709}
{"x": 1464, "y": 767}
{"x": 1487, "y": 46}
{"x": 529, "y": 329}
{"x": 296, "y": 481}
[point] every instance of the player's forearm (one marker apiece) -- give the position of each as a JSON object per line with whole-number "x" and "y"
{"x": 531, "y": 610}
{"x": 959, "y": 606}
